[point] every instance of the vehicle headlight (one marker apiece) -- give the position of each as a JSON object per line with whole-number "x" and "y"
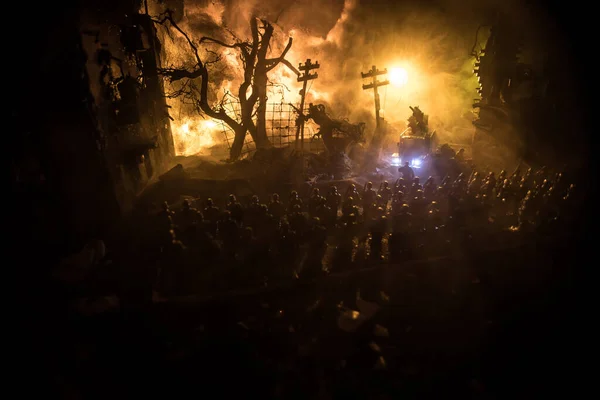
{"x": 417, "y": 162}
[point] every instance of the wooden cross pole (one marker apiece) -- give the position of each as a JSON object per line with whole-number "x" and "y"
{"x": 304, "y": 78}
{"x": 374, "y": 73}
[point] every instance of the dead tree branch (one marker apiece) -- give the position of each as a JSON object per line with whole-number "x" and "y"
{"x": 200, "y": 71}
{"x": 272, "y": 62}
{"x": 290, "y": 66}
{"x": 252, "y": 93}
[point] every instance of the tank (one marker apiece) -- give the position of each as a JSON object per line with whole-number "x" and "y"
{"x": 415, "y": 143}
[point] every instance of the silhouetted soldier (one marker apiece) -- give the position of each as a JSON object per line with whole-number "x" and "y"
{"x": 315, "y": 201}
{"x": 313, "y": 265}
{"x": 399, "y": 240}
{"x": 173, "y": 266}
{"x": 527, "y": 212}
{"x": 397, "y": 202}
{"x": 429, "y": 188}
{"x": 500, "y": 181}
{"x": 188, "y": 220}
{"x": 418, "y": 207}
{"x": 294, "y": 200}
{"x": 378, "y": 230}
{"x": 265, "y": 233}
{"x": 434, "y": 219}
{"x": 236, "y": 209}
{"x": 248, "y": 252}
{"x": 407, "y": 172}
{"x": 349, "y": 211}
{"x": 211, "y": 215}
{"x": 378, "y": 212}
{"x": 386, "y": 194}
{"x": 298, "y": 222}
{"x": 252, "y": 212}
{"x": 490, "y": 184}
{"x": 369, "y": 196}
{"x": 515, "y": 177}
{"x": 400, "y": 185}
{"x": 415, "y": 187}
{"x": 276, "y": 207}
{"x": 287, "y": 248}
{"x": 206, "y": 250}
{"x": 342, "y": 258}
{"x": 474, "y": 184}
{"x": 324, "y": 215}
{"x": 334, "y": 200}
{"x": 352, "y": 191}
{"x": 228, "y": 233}
{"x": 265, "y": 223}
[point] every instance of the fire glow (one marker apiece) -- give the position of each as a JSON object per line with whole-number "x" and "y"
{"x": 398, "y": 76}
{"x": 195, "y": 135}
{"x": 418, "y": 70}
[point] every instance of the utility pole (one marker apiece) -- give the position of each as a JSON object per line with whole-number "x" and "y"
{"x": 304, "y": 78}
{"x": 374, "y": 73}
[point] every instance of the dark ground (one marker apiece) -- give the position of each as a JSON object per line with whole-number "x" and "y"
{"x": 505, "y": 324}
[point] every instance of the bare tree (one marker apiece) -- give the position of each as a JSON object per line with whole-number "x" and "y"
{"x": 252, "y": 93}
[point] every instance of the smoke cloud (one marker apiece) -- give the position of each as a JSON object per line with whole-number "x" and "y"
{"x": 430, "y": 40}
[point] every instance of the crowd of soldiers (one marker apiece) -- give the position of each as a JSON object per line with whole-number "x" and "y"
{"x": 337, "y": 230}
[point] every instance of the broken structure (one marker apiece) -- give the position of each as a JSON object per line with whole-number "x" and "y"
{"x": 98, "y": 130}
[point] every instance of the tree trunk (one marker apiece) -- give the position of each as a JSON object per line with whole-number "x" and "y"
{"x": 238, "y": 143}
{"x": 262, "y": 140}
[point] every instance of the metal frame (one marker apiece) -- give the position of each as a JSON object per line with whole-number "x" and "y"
{"x": 281, "y": 126}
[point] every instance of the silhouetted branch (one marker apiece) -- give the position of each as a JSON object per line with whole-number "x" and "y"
{"x": 290, "y": 66}
{"x": 169, "y": 17}
{"x": 217, "y": 57}
{"x": 272, "y": 62}
{"x": 175, "y": 74}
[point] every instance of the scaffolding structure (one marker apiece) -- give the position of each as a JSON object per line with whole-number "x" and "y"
{"x": 281, "y": 127}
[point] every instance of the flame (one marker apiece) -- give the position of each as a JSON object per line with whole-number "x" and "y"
{"x": 421, "y": 71}
{"x": 192, "y": 134}
{"x": 195, "y": 136}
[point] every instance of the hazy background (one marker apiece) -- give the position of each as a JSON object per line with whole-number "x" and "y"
{"x": 430, "y": 39}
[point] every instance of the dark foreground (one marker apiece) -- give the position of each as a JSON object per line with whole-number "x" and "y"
{"x": 497, "y": 325}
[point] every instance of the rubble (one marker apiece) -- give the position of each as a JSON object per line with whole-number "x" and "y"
{"x": 175, "y": 173}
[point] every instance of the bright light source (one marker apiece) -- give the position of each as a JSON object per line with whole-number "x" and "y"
{"x": 416, "y": 162}
{"x": 398, "y": 76}
{"x": 396, "y": 161}
{"x": 209, "y": 123}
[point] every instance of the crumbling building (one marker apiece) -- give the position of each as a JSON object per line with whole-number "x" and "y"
{"x": 91, "y": 123}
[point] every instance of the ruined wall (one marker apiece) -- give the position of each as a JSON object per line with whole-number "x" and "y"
{"x": 77, "y": 163}
{"x": 123, "y": 55}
